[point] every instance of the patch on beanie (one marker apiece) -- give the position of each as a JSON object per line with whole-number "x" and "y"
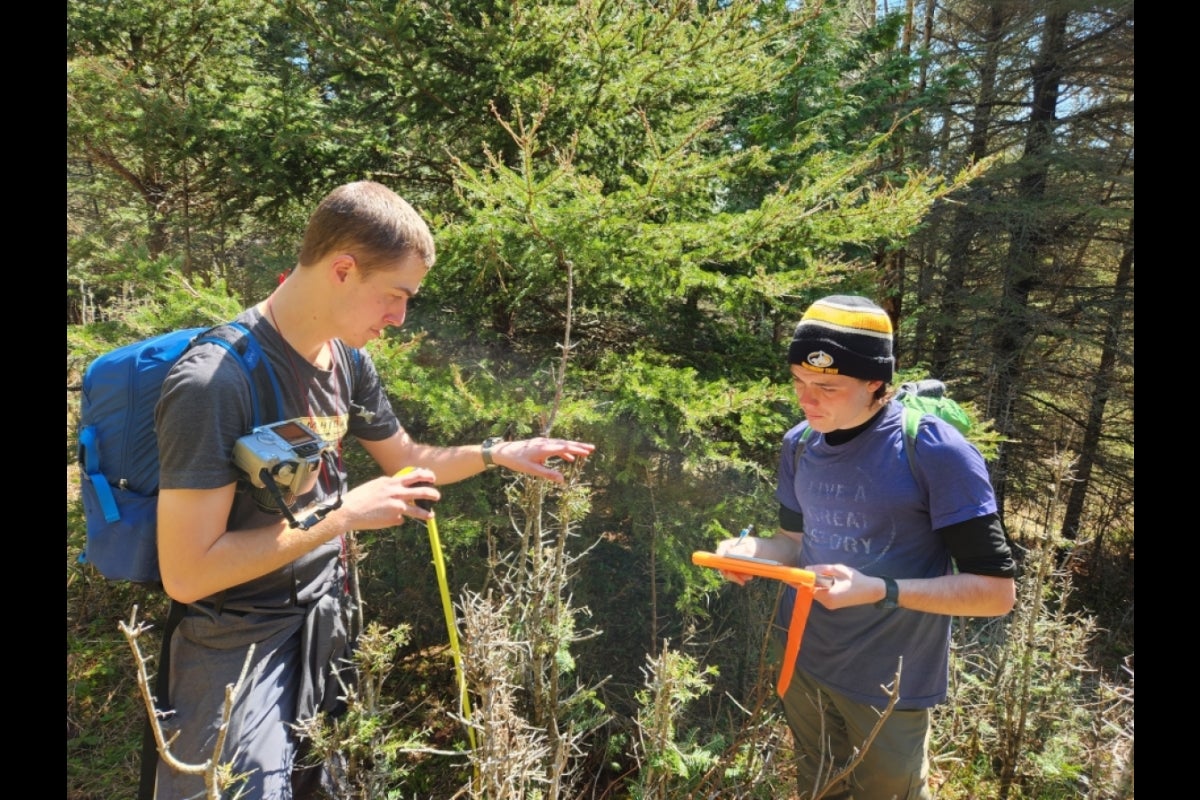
{"x": 819, "y": 360}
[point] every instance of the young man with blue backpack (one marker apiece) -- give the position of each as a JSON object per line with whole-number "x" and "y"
{"x": 252, "y": 520}
{"x": 909, "y": 534}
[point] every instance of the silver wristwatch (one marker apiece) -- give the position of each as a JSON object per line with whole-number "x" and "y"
{"x": 488, "y": 444}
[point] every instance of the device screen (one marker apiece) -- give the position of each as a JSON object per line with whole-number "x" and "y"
{"x": 293, "y": 433}
{"x": 755, "y": 560}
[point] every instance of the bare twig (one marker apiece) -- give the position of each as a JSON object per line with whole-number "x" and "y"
{"x": 893, "y": 693}
{"x": 215, "y": 774}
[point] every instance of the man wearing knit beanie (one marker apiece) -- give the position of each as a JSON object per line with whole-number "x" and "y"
{"x": 908, "y": 547}
{"x": 844, "y": 335}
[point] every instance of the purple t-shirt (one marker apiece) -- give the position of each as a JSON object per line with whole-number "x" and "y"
{"x": 864, "y": 507}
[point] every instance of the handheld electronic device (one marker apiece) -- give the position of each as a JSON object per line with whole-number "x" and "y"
{"x": 286, "y": 453}
{"x": 761, "y": 567}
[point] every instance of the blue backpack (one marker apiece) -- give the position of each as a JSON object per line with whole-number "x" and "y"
{"x": 118, "y": 449}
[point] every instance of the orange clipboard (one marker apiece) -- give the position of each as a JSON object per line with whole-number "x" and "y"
{"x": 803, "y": 580}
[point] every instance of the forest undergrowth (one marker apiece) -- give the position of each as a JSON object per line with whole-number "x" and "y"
{"x": 1041, "y": 702}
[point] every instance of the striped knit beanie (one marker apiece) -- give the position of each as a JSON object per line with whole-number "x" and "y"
{"x": 844, "y": 335}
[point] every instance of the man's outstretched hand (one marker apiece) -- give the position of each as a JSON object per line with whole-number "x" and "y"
{"x": 530, "y": 455}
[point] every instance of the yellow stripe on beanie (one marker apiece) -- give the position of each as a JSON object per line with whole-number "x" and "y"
{"x": 868, "y": 319}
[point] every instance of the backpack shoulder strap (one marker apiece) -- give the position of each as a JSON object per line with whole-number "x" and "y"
{"x": 801, "y": 443}
{"x": 911, "y": 422}
{"x": 354, "y": 355}
{"x": 238, "y": 340}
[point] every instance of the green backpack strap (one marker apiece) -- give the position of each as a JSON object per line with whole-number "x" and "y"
{"x": 800, "y": 443}
{"x": 910, "y": 420}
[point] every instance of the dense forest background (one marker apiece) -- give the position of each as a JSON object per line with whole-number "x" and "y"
{"x": 633, "y": 204}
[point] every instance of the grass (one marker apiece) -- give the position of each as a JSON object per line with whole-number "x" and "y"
{"x": 104, "y": 708}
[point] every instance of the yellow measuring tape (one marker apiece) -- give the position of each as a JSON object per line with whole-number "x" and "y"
{"x": 439, "y": 567}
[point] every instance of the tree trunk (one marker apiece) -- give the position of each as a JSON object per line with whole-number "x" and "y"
{"x": 1027, "y": 242}
{"x": 1101, "y": 388}
{"x": 965, "y": 226}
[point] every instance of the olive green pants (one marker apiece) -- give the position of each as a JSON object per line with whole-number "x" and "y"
{"x": 828, "y": 727}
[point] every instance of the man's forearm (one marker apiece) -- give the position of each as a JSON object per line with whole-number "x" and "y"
{"x": 963, "y": 595}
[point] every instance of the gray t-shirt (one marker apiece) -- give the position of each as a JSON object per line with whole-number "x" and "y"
{"x": 205, "y": 407}
{"x": 300, "y": 618}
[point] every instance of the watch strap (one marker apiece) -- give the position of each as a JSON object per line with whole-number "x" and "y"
{"x": 891, "y": 593}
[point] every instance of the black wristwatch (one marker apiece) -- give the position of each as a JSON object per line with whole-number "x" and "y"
{"x": 488, "y": 444}
{"x": 891, "y": 596}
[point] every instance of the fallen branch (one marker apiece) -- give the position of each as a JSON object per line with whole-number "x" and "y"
{"x": 214, "y": 780}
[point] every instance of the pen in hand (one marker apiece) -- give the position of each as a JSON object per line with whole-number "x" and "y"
{"x": 823, "y": 581}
